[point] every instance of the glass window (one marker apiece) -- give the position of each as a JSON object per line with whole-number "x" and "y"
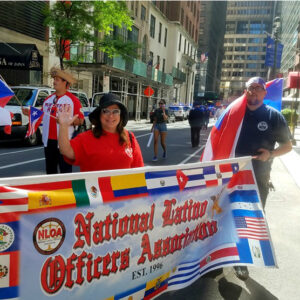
{"x": 42, "y": 95}
{"x": 166, "y": 37}
{"x": 242, "y": 27}
{"x": 133, "y": 35}
{"x": 159, "y": 32}
{"x": 152, "y": 26}
{"x": 143, "y": 13}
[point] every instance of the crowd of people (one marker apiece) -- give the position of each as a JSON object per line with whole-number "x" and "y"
{"x": 108, "y": 145}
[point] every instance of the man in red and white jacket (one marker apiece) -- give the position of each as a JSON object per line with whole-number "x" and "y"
{"x": 52, "y": 104}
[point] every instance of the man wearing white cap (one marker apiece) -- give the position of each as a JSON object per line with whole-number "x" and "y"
{"x": 263, "y": 127}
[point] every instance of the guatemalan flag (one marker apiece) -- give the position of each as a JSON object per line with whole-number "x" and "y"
{"x": 35, "y": 119}
{"x": 5, "y": 93}
{"x": 225, "y": 133}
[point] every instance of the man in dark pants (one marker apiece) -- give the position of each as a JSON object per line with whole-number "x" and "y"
{"x": 61, "y": 98}
{"x": 262, "y": 128}
{"x": 196, "y": 120}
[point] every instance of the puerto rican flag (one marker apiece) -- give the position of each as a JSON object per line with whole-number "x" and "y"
{"x": 5, "y": 93}
{"x": 225, "y": 133}
{"x": 35, "y": 119}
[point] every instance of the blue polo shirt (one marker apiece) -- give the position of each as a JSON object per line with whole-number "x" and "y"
{"x": 261, "y": 128}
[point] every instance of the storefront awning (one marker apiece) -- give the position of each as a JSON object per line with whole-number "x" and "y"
{"x": 20, "y": 57}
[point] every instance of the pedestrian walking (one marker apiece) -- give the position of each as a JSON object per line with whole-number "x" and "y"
{"x": 108, "y": 145}
{"x": 160, "y": 117}
{"x": 196, "y": 121}
{"x": 62, "y": 81}
{"x": 262, "y": 127}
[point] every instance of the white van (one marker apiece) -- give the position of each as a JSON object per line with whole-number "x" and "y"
{"x": 181, "y": 112}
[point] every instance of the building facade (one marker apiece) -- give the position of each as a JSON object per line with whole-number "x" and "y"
{"x": 247, "y": 25}
{"x": 24, "y": 51}
{"x": 210, "y": 47}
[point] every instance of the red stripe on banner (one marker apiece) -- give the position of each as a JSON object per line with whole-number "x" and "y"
{"x": 46, "y": 186}
{"x": 240, "y": 178}
{"x": 14, "y": 268}
{"x": 131, "y": 197}
{"x": 156, "y": 292}
{"x": 225, "y": 168}
{"x": 210, "y": 183}
{"x": 9, "y": 217}
{"x": 19, "y": 201}
{"x": 106, "y": 189}
{"x": 219, "y": 254}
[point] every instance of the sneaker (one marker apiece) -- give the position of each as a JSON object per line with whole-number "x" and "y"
{"x": 241, "y": 272}
{"x": 164, "y": 155}
{"x": 154, "y": 158}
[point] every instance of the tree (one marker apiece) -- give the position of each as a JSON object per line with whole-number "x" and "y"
{"x": 90, "y": 23}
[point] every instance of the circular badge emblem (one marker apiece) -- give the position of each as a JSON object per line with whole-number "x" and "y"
{"x": 49, "y": 235}
{"x": 7, "y": 237}
{"x": 262, "y": 126}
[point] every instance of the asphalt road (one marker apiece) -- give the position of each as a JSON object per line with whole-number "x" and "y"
{"x": 18, "y": 160}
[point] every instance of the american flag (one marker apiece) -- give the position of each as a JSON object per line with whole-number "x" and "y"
{"x": 35, "y": 119}
{"x": 252, "y": 228}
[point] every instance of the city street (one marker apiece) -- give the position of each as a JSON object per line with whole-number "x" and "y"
{"x": 17, "y": 160}
{"x": 282, "y": 211}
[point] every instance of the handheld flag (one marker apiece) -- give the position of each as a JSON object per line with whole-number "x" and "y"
{"x": 5, "y": 93}
{"x": 35, "y": 119}
{"x": 274, "y": 93}
{"x": 224, "y": 135}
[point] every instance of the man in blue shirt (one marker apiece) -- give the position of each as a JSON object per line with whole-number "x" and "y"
{"x": 262, "y": 128}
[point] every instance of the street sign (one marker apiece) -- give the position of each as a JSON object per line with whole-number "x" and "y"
{"x": 148, "y": 91}
{"x": 270, "y": 53}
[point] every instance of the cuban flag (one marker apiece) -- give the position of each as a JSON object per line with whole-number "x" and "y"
{"x": 225, "y": 133}
{"x": 35, "y": 119}
{"x": 274, "y": 93}
{"x": 5, "y": 93}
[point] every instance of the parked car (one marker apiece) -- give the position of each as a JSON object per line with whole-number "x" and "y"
{"x": 28, "y": 96}
{"x": 181, "y": 112}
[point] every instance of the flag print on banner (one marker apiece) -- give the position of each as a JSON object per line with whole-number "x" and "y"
{"x": 182, "y": 222}
{"x": 156, "y": 286}
{"x": 123, "y": 187}
{"x": 186, "y": 273}
{"x": 9, "y": 277}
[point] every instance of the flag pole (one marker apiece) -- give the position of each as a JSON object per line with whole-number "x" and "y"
{"x": 14, "y": 93}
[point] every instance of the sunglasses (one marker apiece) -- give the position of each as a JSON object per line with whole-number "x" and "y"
{"x": 255, "y": 88}
{"x": 161, "y": 103}
{"x": 109, "y": 112}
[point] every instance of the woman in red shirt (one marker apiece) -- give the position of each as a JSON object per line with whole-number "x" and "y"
{"x": 108, "y": 145}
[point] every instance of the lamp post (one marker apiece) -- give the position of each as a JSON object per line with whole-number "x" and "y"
{"x": 276, "y": 36}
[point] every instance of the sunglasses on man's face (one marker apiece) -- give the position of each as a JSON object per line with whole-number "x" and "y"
{"x": 161, "y": 103}
{"x": 109, "y": 112}
{"x": 255, "y": 88}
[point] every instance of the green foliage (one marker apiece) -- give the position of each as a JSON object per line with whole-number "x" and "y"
{"x": 80, "y": 22}
{"x": 290, "y": 115}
